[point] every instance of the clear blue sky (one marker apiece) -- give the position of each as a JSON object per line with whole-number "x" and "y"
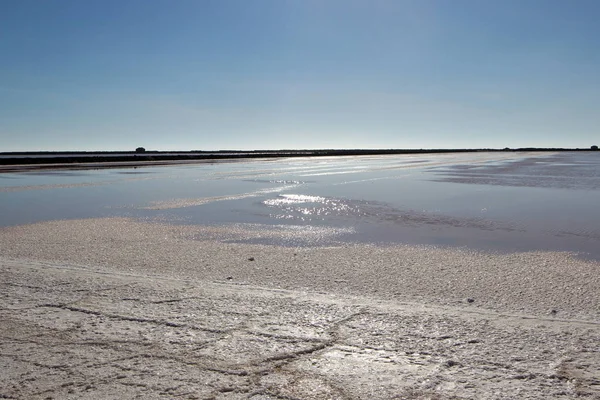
{"x": 271, "y": 74}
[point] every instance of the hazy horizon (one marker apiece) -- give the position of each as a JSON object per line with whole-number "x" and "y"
{"x": 100, "y": 76}
{"x": 175, "y": 151}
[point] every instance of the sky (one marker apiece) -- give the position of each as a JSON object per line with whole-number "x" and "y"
{"x": 305, "y": 74}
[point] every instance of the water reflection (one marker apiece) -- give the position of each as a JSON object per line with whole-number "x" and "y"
{"x": 498, "y": 201}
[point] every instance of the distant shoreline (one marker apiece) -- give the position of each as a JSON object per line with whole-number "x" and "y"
{"x": 23, "y": 161}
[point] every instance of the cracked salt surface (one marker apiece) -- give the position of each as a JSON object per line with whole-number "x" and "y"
{"x": 73, "y": 331}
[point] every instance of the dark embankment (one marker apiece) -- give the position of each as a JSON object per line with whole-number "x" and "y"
{"x": 42, "y": 160}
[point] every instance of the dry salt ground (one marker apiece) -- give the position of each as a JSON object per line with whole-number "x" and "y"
{"x": 119, "y": 308}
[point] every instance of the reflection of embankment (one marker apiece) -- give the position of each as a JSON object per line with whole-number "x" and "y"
{"x": 48, "y": 158}
{"x": 38, "y": 161}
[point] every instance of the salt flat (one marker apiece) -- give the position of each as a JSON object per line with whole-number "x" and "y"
{"x": 439, "y": 277}
{"x": 117, "y": 308}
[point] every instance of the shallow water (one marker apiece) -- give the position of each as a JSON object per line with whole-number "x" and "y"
{"x": 490, "y": 201}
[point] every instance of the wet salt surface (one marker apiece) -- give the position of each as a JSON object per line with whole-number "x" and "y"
{"x": 490, "y": 201}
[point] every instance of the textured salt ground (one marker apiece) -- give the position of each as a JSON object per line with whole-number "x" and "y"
{"x": 538, "y": 283}
{"x": 74, "y": 332}
{"x": 116, "y": 308}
